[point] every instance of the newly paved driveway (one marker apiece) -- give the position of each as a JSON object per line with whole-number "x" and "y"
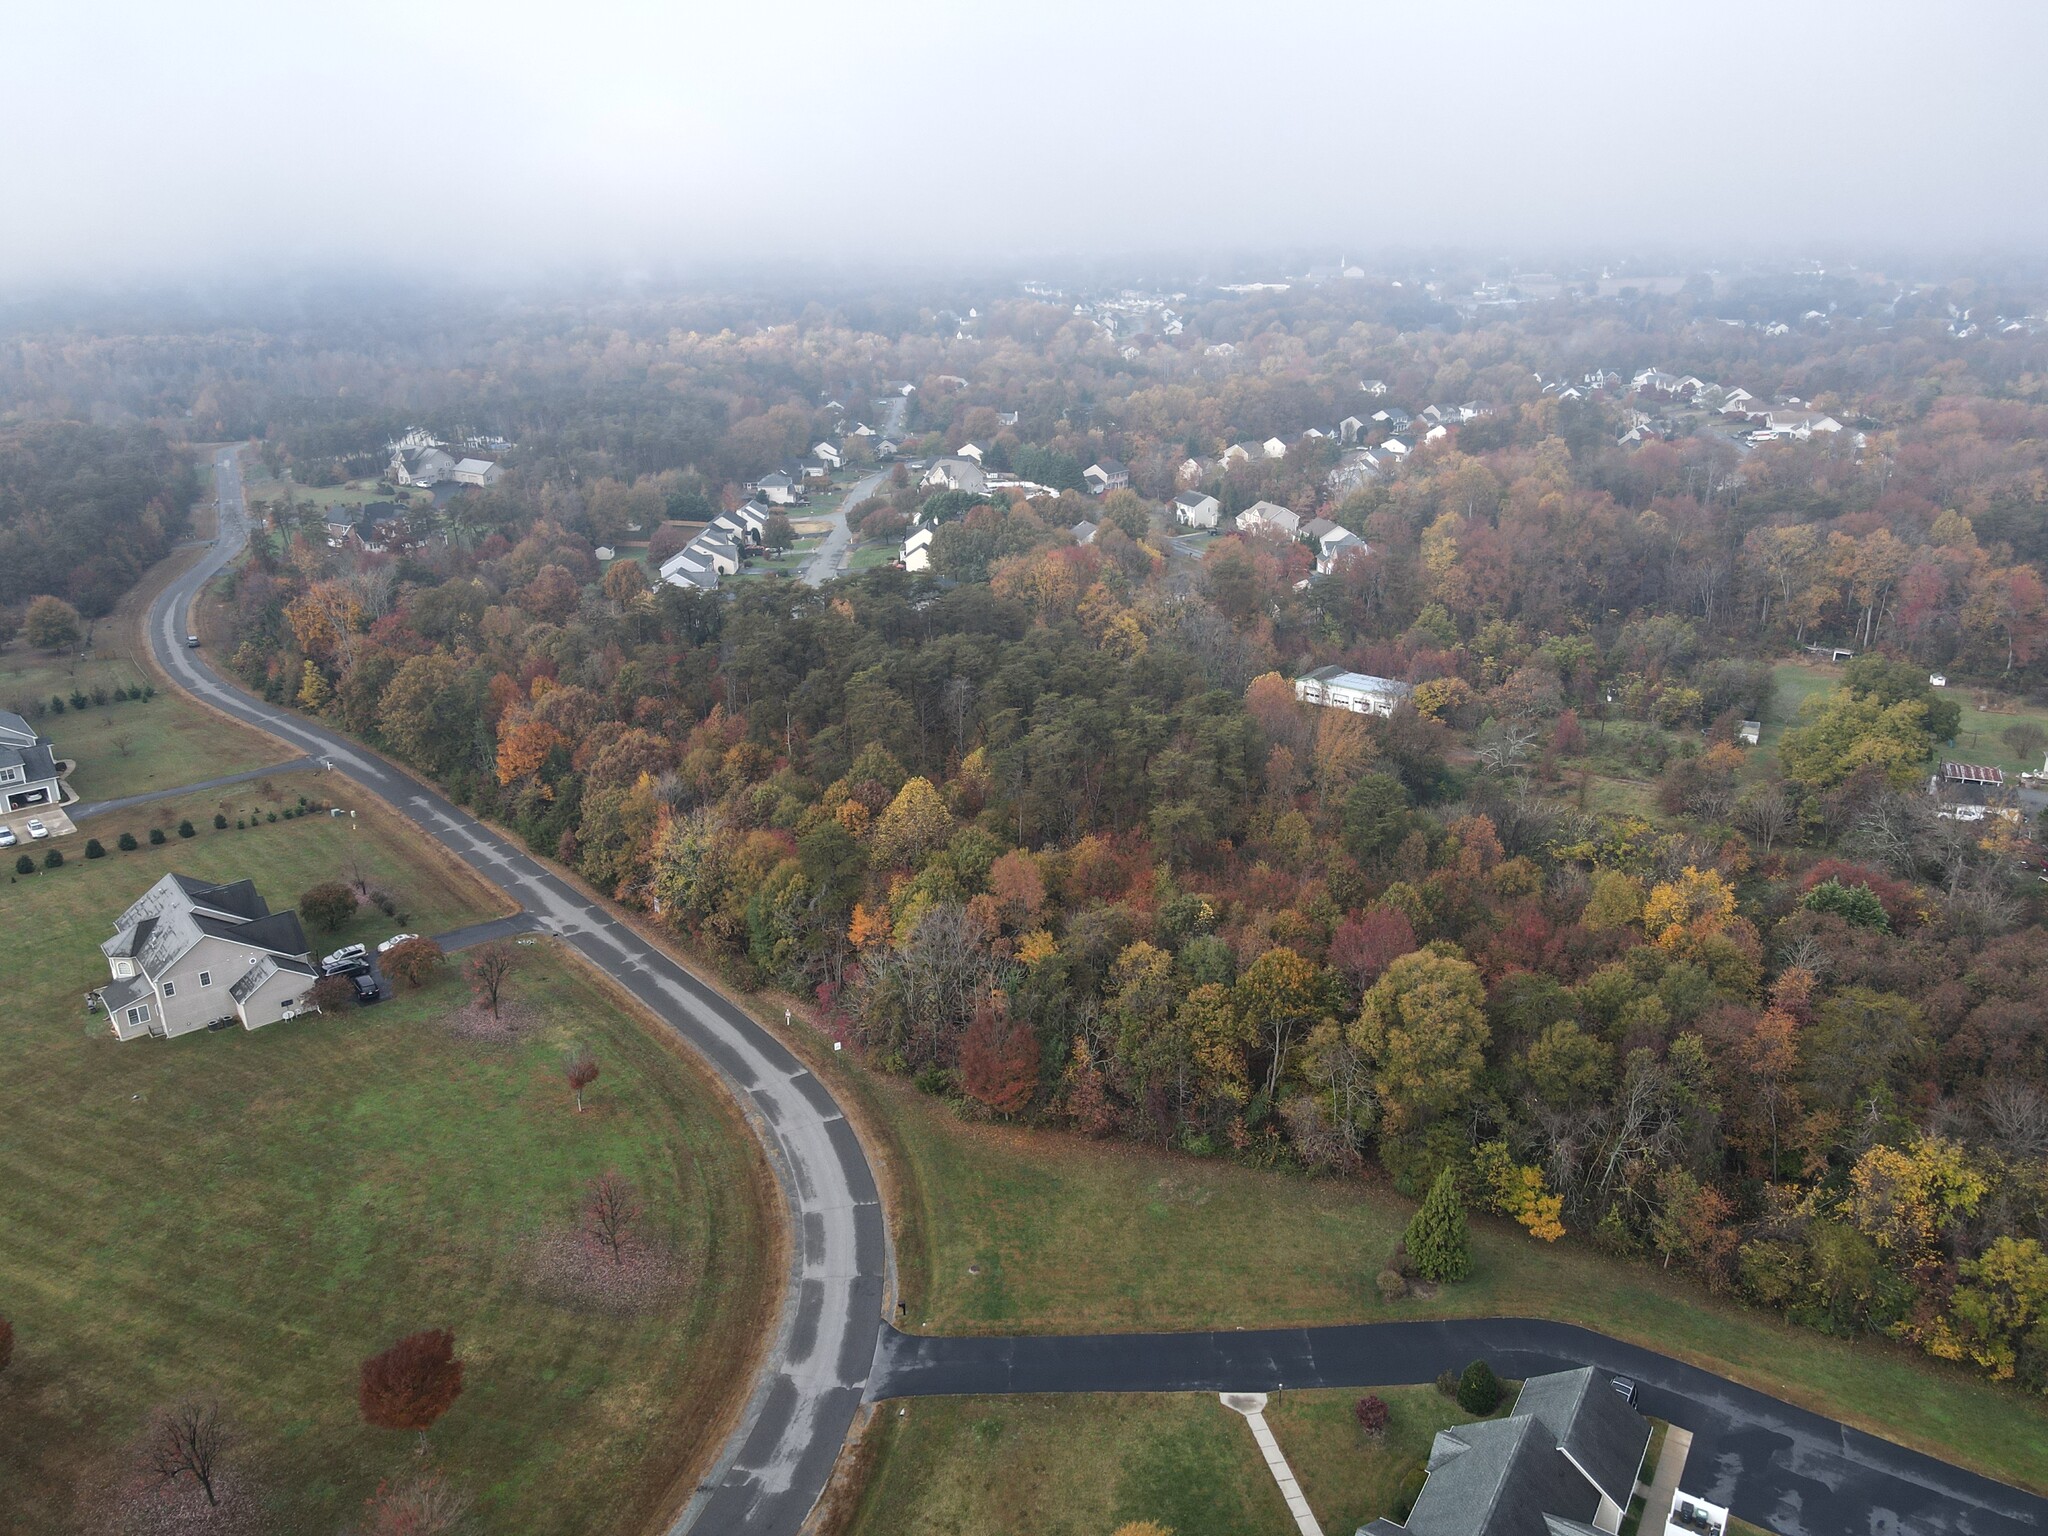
{"x": 1777, "y": 1466}
{"x": 783, "y": 1451}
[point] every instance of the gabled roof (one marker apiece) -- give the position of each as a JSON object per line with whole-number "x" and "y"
{"x": 1503, "y": 1477}
{"x": 280, "y": 933}
{"x": 238, "y": 899}
{"x": 16, "y": 731}
{"x": 1604, "y": 1437}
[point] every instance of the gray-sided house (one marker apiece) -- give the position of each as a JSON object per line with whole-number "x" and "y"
{"x": 28, "y": 765}
{"x": 1563, "y": 1463}
{"x": 190, "y": 953}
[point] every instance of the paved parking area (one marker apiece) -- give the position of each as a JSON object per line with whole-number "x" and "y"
{"x": 52, "y": 816}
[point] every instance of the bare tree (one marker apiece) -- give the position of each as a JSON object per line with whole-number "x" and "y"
{"x": 2017, "y": 1114}
{"x": 489, "y": 966}
{"x": 190, "y": 1440}
{"x": 1501, "y": 747}
{"x": 610, "y": 1212}
{"x": 1766, "y": 814}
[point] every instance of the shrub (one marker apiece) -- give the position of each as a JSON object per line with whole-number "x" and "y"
{"x": 271, "y": 817}
{"x": 78, "y": 698}
{"x": 1479, "y": 1390}
{"x": 220, "y": 821}
{"x": 383, "y": 902}
{"x": 99, "y": 695}
{"x": 330, "y": 905}
{"x": 1436, "y": 1237}
{"x": 185, "y": 829}
{"x": 93, "y": 850}
{"x": 56, "y": 705}
{"x": 1447, "y": 1384}
{"x": 156, "y": 837}
{"x": 24, "y": 865}
{"x": 54, "y": 859}
{"x": 331, "y": 993}
{"x": 241, "y": 825}
{"x": 126, "y": 842}
{"x": 1370, "y": 1413}
{"x": 1392, "y": 1286}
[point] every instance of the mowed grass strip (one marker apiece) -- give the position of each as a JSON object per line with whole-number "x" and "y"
{"x": 247, "y": 1215}
{"x": 1066, "y": 1466}
{"x": 1347, "y": 1476}
{"x": 1018, "y": 1231}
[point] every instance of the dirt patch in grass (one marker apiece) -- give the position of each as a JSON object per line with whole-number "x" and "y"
{"x": 478, "y": 1024}
{"x": 572, "y": 1269}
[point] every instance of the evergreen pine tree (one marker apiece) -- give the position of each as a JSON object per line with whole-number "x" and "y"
{"x": 1436, "y": 1235}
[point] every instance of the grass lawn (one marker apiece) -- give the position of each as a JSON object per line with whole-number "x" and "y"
{"x": 1347, "y": 1478}
{"x": 868, "y": 556}
{"x": 245, "y": 1216}
{"x": 135, "y": 746}
{"x": 356, "y": 493}
{"x": 1976, "y": 737}
{"x": 1066, "y": 1466}
{"x": 1071, "y": 1235}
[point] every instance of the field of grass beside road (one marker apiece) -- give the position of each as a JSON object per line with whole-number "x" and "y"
{"x": 1016, "y": 1231}
{"x": 247, "y": 1215}
{"x": 1978, "y": 736}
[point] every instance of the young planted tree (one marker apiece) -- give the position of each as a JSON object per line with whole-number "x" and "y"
{"x": 1479, "y": 1390}
{"x": 581, "y": 1069}
{"x": 330, "y": 905}
{"x": 415, "y": 961}
{"x": 411, "y": 1384}
{"x": 610, "y": 1214}
{"x": 488, "y": 969}
{"x": 428, "y": 1505}
{"x": 1436, "y": 1237}
{"x": 188, "y": 1441}
{"x": 1370, "y": 1413}
{"x": 2025, "y": 739}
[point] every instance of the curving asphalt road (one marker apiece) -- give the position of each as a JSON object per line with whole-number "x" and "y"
{"x": 1788, "y": 1470}
{"x": 825, "y": 563}
{"x": 782, "y": 1454}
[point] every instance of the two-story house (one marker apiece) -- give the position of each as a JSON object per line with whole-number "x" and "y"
{"x": 189, "y": 953}
{"x": 28, "y": 765}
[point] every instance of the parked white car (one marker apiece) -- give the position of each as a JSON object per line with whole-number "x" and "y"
{"x": 344, "y": 957}
{"x": 394, "y": 941}
{"x": 37, "y": 829}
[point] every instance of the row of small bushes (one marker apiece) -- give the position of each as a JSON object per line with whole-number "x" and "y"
{"x": 80, "y": 699}
{"x": 126, "y": 842}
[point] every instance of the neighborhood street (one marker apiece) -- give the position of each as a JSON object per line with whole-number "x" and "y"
{"x": 783, "y": 1450}
{"x": 825, "y": 564}
{"x": 1788, "y": 1470}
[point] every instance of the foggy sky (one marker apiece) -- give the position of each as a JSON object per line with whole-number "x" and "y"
{"x": 208, "y": 139}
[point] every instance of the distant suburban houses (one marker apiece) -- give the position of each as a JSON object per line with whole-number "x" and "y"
{"x": 190, "y": 953}
{"x": 418, "y": 459}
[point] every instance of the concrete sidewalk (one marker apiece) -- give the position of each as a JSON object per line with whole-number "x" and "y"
{"x": 1664, "y": 1484}
{"x": 1253, "y": 1406}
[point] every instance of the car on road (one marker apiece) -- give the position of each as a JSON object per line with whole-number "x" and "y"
{"x": 394, "y": 941}
{"x": 7, "y": 837}
{"x": 193, "y": 641}
{"x": 367, "y": 991}
{"x": 351, "y": 954}
{"x": 35, "y": 828}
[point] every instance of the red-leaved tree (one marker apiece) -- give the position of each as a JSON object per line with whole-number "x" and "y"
{"x": 998, "y": 1060}
{"x": 1363, "y": 946}
{"x": 411, "y": 1384}
{"x": 581, "y": 1069}
{"x": 1371, "y": 1414}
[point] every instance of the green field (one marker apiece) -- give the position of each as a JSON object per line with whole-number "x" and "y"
{"x": 1079, "y": 1466}
{"x": 135, "y": 746}
{"x": 245, "y": 1216}
{"x": 356, "y": 493}
{"x": 1012, "y": 1231}
{"x": 866, "y": 557}
{"x": 1977, "y": 738}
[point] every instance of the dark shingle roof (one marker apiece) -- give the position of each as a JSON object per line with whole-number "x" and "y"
{"x": 1499, "y": 1478}
{"x": 280, "y": 932}
{"x": 1589, "y": 1420}
{"x": 237, "y": 899}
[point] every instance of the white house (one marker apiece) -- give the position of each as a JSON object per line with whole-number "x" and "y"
{"x": 828, "y": 454}
{"x": 687, "y": 568}
{"x": 777, "y": 487}
{"x": 1334, "y": 544}
{"x": 1268, "y": 517}
{"x": 189, "y": 953}
{"x": 422, "y": 467}
{"x": 1359, "y": 692}
{"x": 956, "y": 474}
{"x": 1349, "y": 428}
{"x": 1377, "y": 388}
{"x": 1396, "y": 447}
{"x": 1084, "y": 531}
{"x": 1106, "y": 475}
{"x": 717, "y": 549}
{"x": 28, "y": 765}
{"x": 1192, "y": 509}
{"x": 1239, "y": 453}
{"x": 972, "y": 451}
{"x": 917, "y": 550}
{"x": 476, "y": 472}
{"x": 1274, "y": 448}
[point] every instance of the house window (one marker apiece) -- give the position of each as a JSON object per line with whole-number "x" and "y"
{"x": 170, "y": 989}
{"x": 139, "y": 1015}
{"x": 123, "y": 968}
{"x": 206, "y": 978}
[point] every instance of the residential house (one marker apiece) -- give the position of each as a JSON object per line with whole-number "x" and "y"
{"x": 917, "y": 549}
{"x": 887, "y": 448}
{"x": 477, "y": 472}
{"x": 1084, "y": 531}
{"x": 421, "y": 466}
{"x": 1349, "y": 428}
{"x": 189, "y": 953}
{"x": 688, "y": 567}
{"x": 862, "y": 429}
{"x": 1191, "y": 471}
{"x": 1274, "y": 448}
{"x": 956, "y": 474}
{"x": 1192, "y": 509}
{"x": 1106, "y": 475}
{"x": 1334, "y": 543}
{"x": 1736, "y": 402}
{"x": 1394, "y": 447}
{"x": 1240, "y": 453}
{"x": 1436, "y": 434}
{"x": 1972, "y": 792}
{"x": 1564, "y": 1462}
{"x": 1393, "y": 418}
{"x": 1750, "y": 732}
{"x": 1377, "y": 388}
{"x": 972, "y": 451}
{"x": 829, "y": 455}
{"x": 1359, "y": 692}
{"x": 1007, "y": 418}
{"x": 1357, "y": 468}
{"x": 719, "y": 550}
{"x": 28, "y": 766}
{"x": 1268, "y": 517}
{"x": 777, "y": 488}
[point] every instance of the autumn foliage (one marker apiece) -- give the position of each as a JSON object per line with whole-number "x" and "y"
{"x": 411, "y": 1384}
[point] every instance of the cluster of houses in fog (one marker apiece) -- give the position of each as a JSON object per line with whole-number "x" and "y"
{"x": 1750, "y": 419}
